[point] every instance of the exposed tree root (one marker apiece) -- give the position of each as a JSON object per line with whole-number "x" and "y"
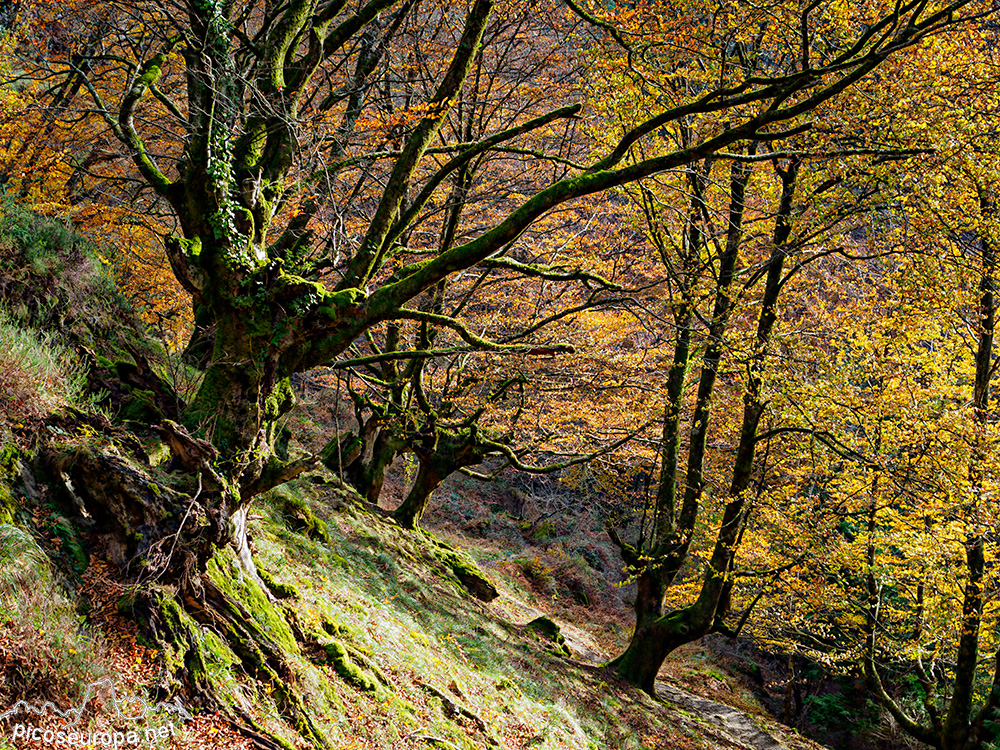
{"x": 454, "y": 709}
{"x": 197, "y": 589}
{"x": 463, "y": 567}
{"x": 349, "y": 663}
{"x": 366, "y": 663}
{"x": 180, "y": 631}
{"x": 201, "y": 598}
{"x": 264, "y": 659}
{"x": 260, "y": 740}
{"x": 151, "y": 531}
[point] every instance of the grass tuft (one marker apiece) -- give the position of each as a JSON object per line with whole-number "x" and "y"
{"x": 37, "y": 376}
{"x": 45, "y": 651}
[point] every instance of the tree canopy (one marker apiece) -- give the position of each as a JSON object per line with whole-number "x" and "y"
{"x": 776, "y": 223}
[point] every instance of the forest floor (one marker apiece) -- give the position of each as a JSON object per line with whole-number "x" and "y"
{"x": 440, "y": 668}
{"x": 413, "y": 660}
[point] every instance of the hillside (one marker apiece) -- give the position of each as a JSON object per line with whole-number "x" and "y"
{"x": 391, "y": 651}
{"x": 393, "y": 638}
{"x": 562, "y": 373}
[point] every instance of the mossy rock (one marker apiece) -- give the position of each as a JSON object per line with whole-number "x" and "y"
{"x": 280, "y": 590}
{"x": 347, "y": 668}
{"x": 298, "y": 515}
{"x": 463, "y": 568}
{"x": 547, "y": 628}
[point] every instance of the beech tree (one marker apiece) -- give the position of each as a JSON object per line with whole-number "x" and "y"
{"x": 449, "y": 413}
{"x": 253, "y": 123}
{"x": 658, "y": 557}
{"x": 903, "y": 576}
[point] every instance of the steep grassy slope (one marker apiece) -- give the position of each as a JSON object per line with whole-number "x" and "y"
{"x": 384, "y": 641}
{"x": 394, "y": 651}
{"x": 442, "y": 664}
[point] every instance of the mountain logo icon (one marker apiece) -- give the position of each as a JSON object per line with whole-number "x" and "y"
{"x": 101, "y": 694}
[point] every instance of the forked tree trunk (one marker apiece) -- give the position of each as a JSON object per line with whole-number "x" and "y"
{"x": 641, "y": 661}
{"x": 367, "y": 474}
{"x": 450, "y": 450}
{"x": 657, "y": 634}
{"x": 411, "y": 510}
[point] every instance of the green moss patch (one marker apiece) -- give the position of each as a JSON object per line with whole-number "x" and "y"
{"x": 280, "y": 590}
{"x": 229, "y": 577}
{"x": 347, "y": 668}
{"x": 463, "y": 567}
{"x": 9, "y": 474}
{"x": 297, "y": 514}
{"x": 70, "y": 544}
{"x": 548, "y": 629}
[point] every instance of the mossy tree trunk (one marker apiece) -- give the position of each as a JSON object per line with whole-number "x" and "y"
{"x": 268, "y": 323}
{"x": 368, "y": 474}
{"x": 442, "y": 453}
{"x": 650, "y": 644}
{"x": 656, "y": 632}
